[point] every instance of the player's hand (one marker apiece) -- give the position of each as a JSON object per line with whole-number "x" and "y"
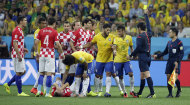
{"x": 131, "y": 57}
{"x": 128, "y": 57}
{"x": 154, "y": 56}
{"x": 19, "y": 58}
{"x": 26, "y": 50}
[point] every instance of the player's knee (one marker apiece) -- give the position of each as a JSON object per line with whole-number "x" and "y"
{"x": 108, "y": 74}
{"x": 114, "y": 75}
{"x": 120, "y": 77}
{"x": 130, "y": 74}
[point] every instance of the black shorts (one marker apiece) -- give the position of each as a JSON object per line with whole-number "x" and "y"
{"x": 144, "y": 63}
{"x": 170, "y": 67}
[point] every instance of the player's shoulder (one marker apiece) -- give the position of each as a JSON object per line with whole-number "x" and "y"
{"x": 128, "y": 37}
{"x": 37, "y": 30}
{"x": 178, "y": 41}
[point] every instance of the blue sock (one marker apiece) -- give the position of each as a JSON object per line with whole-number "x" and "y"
{"x": 141, "y": 86}
{"x": 40, "y": 82}
{"x": 12, "y": 80}
{"x": 18, "y": 83}
{"x": 150, "y": 85}
{"x": 48, "y": 84}
{"x": 89, "y": 86}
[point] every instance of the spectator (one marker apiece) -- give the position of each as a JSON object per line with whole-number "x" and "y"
{"x": 163, "y": 9}
{"x": 113, "y": 5}
{"x": 170, "y": 18}
{"x": 178, "y": 11}
{"x": 124, "y": 10}
{"x": 181, "y": 33}
{"x": 151, "y": 10}
{"x": 166, "y": 33}
{"x": 158, "y": 28}
{"x": 95, "y": 15}
{"x": 120, "y": 20}
{"x": 114, "y": 29}
{"x": 83, "y": 10}
{"x": 133, "y": 28}
{"x": 136, "y": 11}
{"x": 186, "y": 19}
{"x": 4, "y": 53}
{"x": 98, "y": 2}
{"x": 108, "y": 16}
{"x": 2, "y": 17}
{"x": 174, "y": 22}
{"x": 9, "y": 25}
{"x": 69, "y": 9}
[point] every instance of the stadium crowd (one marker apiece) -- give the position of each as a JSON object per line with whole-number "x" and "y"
{"x": 163, "y": 14}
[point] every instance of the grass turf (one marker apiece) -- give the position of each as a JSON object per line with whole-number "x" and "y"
{"x": 116, "y": 99}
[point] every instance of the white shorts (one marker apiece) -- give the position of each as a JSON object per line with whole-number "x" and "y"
{"x": 46, "y": 64}
{"x": 62, "y": 67}
{"x": 19, "y": 66}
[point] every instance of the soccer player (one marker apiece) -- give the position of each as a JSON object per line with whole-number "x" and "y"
{"x": 104, "y": 59}
{"x": 60, "y": 90}
{"x": 143, "y": 44}
{"x": 42, "y": 24}
{"x": 176, "y": 52}
{"x": 121, "y": 60}
{"x": 85, "y": 64}
{"x": 17, "y": 55}
{"x": 64, "y": 39}
{"x": 48, "y": 36}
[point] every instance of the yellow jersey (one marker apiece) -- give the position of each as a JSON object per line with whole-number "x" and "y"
{"x": 39, "y": 45}
{"x": 81, "y": 57}
{"x": 105, "y": 52}
{"x": 122, "y": 48}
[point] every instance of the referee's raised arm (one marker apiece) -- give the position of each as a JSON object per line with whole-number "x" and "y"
{"x": 149, "y": 30}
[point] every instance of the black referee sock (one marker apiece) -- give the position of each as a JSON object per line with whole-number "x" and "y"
{"x": 170, "y": 89}
{"x": 141, "y": 86}
{"x": 150, "y": 85}
{"x": 177, "y": 82}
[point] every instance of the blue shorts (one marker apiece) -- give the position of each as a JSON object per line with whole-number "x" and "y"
{"x": 80, "y": 69}
{"x": 119, "y": 67}
{"x": 93, "y": 66}
{"x": 100, "y": 67}
{"x": 170, "y": 67}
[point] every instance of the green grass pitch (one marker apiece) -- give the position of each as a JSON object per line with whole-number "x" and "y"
{"x": 116, "y": 99}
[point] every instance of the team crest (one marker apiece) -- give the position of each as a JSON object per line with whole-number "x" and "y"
{"x": 109, "y": 39}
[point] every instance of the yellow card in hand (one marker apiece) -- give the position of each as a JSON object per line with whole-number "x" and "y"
{"x": 145, "y": 7}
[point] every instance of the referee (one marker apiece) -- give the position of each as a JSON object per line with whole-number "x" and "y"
{"x": 143, "y": 44}
{"x": 175, "y": 50}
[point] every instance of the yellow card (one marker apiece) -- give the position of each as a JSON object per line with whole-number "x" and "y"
{"x": 145, "y": 7}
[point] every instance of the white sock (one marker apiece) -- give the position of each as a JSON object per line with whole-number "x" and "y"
{"x": 96, "y": 84}
{"x": 100, "y": 85}
{"x": 72, "y": 87}
{"x": 36, "y": 83}
{"x": 85, "y": 86}
{"x": 117, "y": 82}
{"x": 44, "y": 82}
{"x": 77, "y": 85}
{"x": 131, "y": 83}
{"x": 108, "y": 84}
{"x": 122, "y": 84}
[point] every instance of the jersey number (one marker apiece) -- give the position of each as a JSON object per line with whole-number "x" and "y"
{"x": 46, "y": 41}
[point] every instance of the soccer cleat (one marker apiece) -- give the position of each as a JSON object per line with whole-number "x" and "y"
{"x": 125, "y": 95}
{"x": 107, "y": 95}
{"x": 178, "y": 94}
{"x": 48, "y": 95}
{"x": 121, "y": 93}
{"x": 151, "y": 96}
{"x": 91, "y": 93}
{"x": 38, "y": 94}
{"x": 34, "y": 90}
{"x": 100, "y": 94}
{"x": 23, "y": 94}
{"x": 135, "y": 95}
{"x": 7, "y": 88}
{"x": 169, "y": 96}
{"x": 42, "y": 93}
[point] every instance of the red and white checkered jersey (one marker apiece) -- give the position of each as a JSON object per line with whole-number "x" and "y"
{"x": 48, "y": 36}
{"x": 18, "y": 35}
{"x": 90, "y": 35}
{"x": 80, "y": 38}
{"x": 64, "y": 39}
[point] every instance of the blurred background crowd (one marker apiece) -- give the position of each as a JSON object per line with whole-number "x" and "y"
{"x": 163, "y": 14}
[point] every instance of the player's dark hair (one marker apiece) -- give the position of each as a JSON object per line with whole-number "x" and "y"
{"x": 85, "y": 21}
{"x": 69, "y": 60}
{"x": 20, "y": 18}
{"x": 106, "y": 26}
{"x": 66, "y": 22}
{"x": 174, "y": 30}
{"x": 41, "y": 20}
{"x": 51, "y": 21}
{"x": 121, "y": 27}
{"x": 142, "y": 26}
